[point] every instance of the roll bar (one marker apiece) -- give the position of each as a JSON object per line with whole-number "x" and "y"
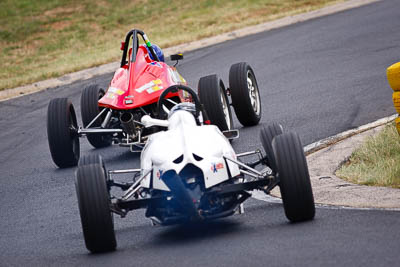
{"x": 135, "y": 44}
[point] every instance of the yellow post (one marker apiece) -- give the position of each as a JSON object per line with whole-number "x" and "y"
{"x": 393, "y": 77}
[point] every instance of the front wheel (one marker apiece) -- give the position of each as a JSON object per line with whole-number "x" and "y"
{"x": 62, "y": 133}
{"x": 295, "y": 185}
{"x": 90, "y": 109}
{"x": 213, "y": 96}
{"x": 267, "y": 135}
{"x": 94, "y": 205}
{"x": 245, "y": 94}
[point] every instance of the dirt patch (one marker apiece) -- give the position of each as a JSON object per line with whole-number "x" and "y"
{"x": 60, "y": 25}
{"x": 63, "y": 11}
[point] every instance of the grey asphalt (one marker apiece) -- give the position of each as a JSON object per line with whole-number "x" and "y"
{"x": 318, "y": 78}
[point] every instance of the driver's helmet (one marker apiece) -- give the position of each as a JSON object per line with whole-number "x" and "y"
{"x": 158, "y": 52}
{"x": 187, "y": 106}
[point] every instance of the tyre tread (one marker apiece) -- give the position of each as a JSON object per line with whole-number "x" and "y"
{"x": 209, "y": 94}
{"x": 59, "y": 114}
{"x": 295, "y": 185}
{"x": 93, "y": 200}
{"x": 267, "y": 135}
{"x": 89, "y": 110}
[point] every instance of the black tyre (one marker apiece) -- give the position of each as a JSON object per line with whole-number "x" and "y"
{"x": 94, "y": 205}
{"x": 213, "y": 96}
{"x": 62, "y": 133}
{"x": 245, "y": 94}
{"x": 90, "y": 109}
{"x": 267, "y": 134}
{"x": 90, "y": 159}
{"x": 295, "y": 185}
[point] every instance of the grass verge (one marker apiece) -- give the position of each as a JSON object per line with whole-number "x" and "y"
{"x": 376, "y": 162}
{"x": 40, "y": 39}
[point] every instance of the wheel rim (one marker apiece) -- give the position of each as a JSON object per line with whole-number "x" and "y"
{"x": 253, "y": 92}
{"x": 225, "y": 108}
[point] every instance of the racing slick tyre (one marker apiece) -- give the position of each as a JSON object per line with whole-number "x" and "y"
{"x": 213, "y": 96}
{"x": 62, "y": 133}
{"x": 295, "y": 185}
{"x": 267, "y": 135}
{"x": 94, "y": 205}
{"x": 245, "y": 94}
{"x": 90, "y": 109}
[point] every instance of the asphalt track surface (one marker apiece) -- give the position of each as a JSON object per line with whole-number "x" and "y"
{"x": 318, "y": 78}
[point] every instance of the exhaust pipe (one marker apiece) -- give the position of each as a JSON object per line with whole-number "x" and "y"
{"x": 175, "y": 184}
{"x": 127, "y": 123}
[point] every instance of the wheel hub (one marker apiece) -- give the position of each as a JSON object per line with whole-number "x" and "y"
{"x": 253, "y": 93}
{"x": 225, "y": 108}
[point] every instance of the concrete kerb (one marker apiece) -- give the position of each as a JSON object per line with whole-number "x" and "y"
{"x": 314, "y": 147}
{"x": 325, "y": 156}
{"x": 111, "y": 67}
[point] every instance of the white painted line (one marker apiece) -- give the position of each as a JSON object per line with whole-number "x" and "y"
{"x": 259, "y": 195}
{"x": 332, "y": 207}
{"x": 111, "y": 67}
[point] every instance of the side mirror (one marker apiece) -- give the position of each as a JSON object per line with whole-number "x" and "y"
{"x": 176, "y": 57}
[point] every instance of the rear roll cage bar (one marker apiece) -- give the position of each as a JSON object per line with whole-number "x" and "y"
{"x": 135, "y": 44}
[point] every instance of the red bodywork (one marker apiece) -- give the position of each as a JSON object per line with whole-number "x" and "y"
{"x": 140, "y": 83}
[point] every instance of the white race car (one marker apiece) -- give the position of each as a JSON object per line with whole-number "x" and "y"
{"x": 190, "y": 172}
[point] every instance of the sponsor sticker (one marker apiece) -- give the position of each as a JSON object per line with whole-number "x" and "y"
{"x": 151, "y": 87}
{"x": 116, "y": 91}
{"x": 159, "y": 173}
{"x": 110, "y": 95}
{"x": 176, "y": 77}
{"x": 216, "y": 166}
{"x": 157, "y": 64}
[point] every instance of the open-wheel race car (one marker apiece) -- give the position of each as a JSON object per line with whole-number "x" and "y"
{"x": 113, "y": 116}
{"x": 190, "y": 172}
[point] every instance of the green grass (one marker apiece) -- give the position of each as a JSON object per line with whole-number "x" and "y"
{"x": 376, "y": 162}
{"x": 40, "y": 39}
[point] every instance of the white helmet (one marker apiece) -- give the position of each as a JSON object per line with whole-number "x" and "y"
{"x": 186, "y": 106}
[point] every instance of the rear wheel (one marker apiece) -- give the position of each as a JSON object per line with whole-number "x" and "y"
{"x": 295, "y": 185}
{"x": 90, "y": 109}
{"x": 94, "y": 205}
{"x": 267, "y": 135}
{"x": 213, "y": 96}
{"x": 62, "y": 133}
{"x": 245, "y": 94}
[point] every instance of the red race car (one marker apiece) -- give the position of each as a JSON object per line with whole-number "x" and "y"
{"x": 113, "y": 116}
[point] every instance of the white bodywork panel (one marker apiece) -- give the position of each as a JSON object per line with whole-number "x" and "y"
{"x": 185, "y": 138}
